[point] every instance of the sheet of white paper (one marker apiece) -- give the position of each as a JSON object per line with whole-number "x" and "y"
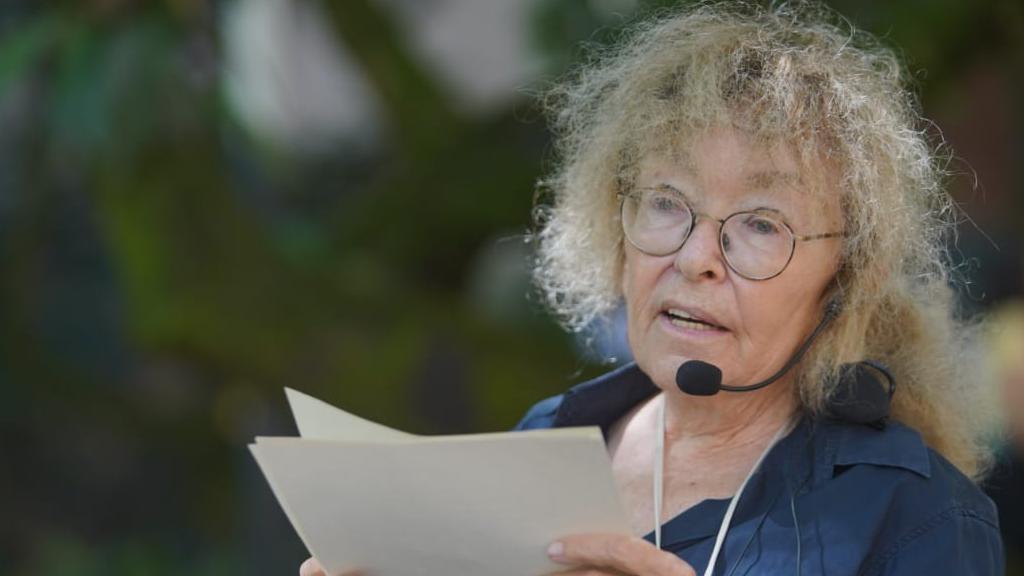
{"x": 319, "y": 420}
{"x": 482, "y": 505}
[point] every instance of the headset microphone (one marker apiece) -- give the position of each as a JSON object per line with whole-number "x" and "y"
{"x": 859, "y": 395}
{"x": 699, "y": 378}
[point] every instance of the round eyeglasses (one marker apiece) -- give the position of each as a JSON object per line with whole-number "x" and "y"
{"x": 757, "y": 245}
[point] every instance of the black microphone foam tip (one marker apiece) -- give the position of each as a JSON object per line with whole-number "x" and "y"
{"x": 699, "y": 378}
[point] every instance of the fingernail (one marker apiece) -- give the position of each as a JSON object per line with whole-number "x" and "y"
{"x": 555, "y": 550}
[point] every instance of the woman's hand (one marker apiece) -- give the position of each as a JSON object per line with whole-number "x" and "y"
{"x": 313, "y": 568}
{"x": 590, "y": 554}
{"x": 615, "y": 554}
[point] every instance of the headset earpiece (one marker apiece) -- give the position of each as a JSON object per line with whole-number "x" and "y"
{"x": 860, "y": 395}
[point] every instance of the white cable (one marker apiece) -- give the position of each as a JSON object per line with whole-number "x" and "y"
{"x": 736, "y": 498}
{"x": 659, "y": 447}
{"x": 727, "y": 520}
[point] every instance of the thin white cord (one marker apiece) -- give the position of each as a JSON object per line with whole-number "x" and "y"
{"x": 659, "y": 447}
{"x": 736, "y": 499}
{"x": 727, "y": 520}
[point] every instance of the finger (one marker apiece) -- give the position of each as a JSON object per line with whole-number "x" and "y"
{"x": 313, "y": 568}
{"x": 627, "y": 554}
{"x": 589, "y": 572}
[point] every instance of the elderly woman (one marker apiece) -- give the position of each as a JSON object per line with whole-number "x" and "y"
{"x": 756, "y": 188}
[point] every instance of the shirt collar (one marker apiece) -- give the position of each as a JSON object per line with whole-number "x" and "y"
{"x": 896, "y": 446}
{"x": 605, "y": 399}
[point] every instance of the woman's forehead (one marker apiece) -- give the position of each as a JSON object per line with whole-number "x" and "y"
{"x": 803, "y": 192}
{"x": 768, "y": 165}
{"x": 699, "y": 151}
{"x": 745, "y": 173}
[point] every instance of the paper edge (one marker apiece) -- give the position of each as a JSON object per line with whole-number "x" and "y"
{"x": 575, "y": 432}
{"x": 294, "y": 396}
{"x": 282, "y": 502}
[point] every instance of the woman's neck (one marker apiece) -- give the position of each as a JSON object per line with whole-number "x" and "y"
{"x": 727, "y": 420}
{"x": 710, "y": 445}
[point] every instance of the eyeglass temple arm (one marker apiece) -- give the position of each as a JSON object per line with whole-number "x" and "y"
{"x": 819, "y": 236}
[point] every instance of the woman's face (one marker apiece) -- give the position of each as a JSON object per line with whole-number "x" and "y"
{"x": 758, "y": 324}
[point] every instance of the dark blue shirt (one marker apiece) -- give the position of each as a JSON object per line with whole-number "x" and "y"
{"x": 865, "y": 501}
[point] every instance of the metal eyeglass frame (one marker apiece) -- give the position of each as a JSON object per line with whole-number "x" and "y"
{"x": 622, "y": 196}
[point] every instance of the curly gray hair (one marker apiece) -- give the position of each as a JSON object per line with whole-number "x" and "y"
{"x": 800, "y": 75}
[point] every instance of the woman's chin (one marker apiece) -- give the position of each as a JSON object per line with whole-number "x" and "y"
{"x": 663, "y": 368}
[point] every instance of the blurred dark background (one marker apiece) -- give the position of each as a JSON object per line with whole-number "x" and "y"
{"x": 203, "y": 202}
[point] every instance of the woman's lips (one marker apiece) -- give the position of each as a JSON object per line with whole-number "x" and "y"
{"x": 686, "y": 315}
{"x": 689, "y": 326}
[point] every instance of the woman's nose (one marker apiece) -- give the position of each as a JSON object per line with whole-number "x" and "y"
{"x": 701, "y": 256}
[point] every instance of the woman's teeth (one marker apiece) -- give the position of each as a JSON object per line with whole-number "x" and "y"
{"x": 691, "y": 324}
{"x": 683, "y": 320}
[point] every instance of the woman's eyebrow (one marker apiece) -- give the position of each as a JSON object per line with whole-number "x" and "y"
{"x": 768, "y": 209}
{"x": 666, "y": 187}
{"x": 774, "y": 211}
{"x": 768, "y": 179}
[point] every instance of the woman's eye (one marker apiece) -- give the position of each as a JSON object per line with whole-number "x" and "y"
{"x": 762, "y": 225}
{"x": 666, "y": 204}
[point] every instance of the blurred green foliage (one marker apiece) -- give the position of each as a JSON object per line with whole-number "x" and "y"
{"x": 166, "y": 271}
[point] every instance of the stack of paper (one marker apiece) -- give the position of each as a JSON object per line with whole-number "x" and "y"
{"x": 365, "y": 496}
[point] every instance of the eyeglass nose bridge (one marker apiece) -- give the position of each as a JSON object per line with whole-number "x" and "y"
{"x": 695, "y": 218}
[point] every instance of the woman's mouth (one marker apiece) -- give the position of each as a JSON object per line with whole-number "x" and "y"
{"x": 688, "y": 321}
